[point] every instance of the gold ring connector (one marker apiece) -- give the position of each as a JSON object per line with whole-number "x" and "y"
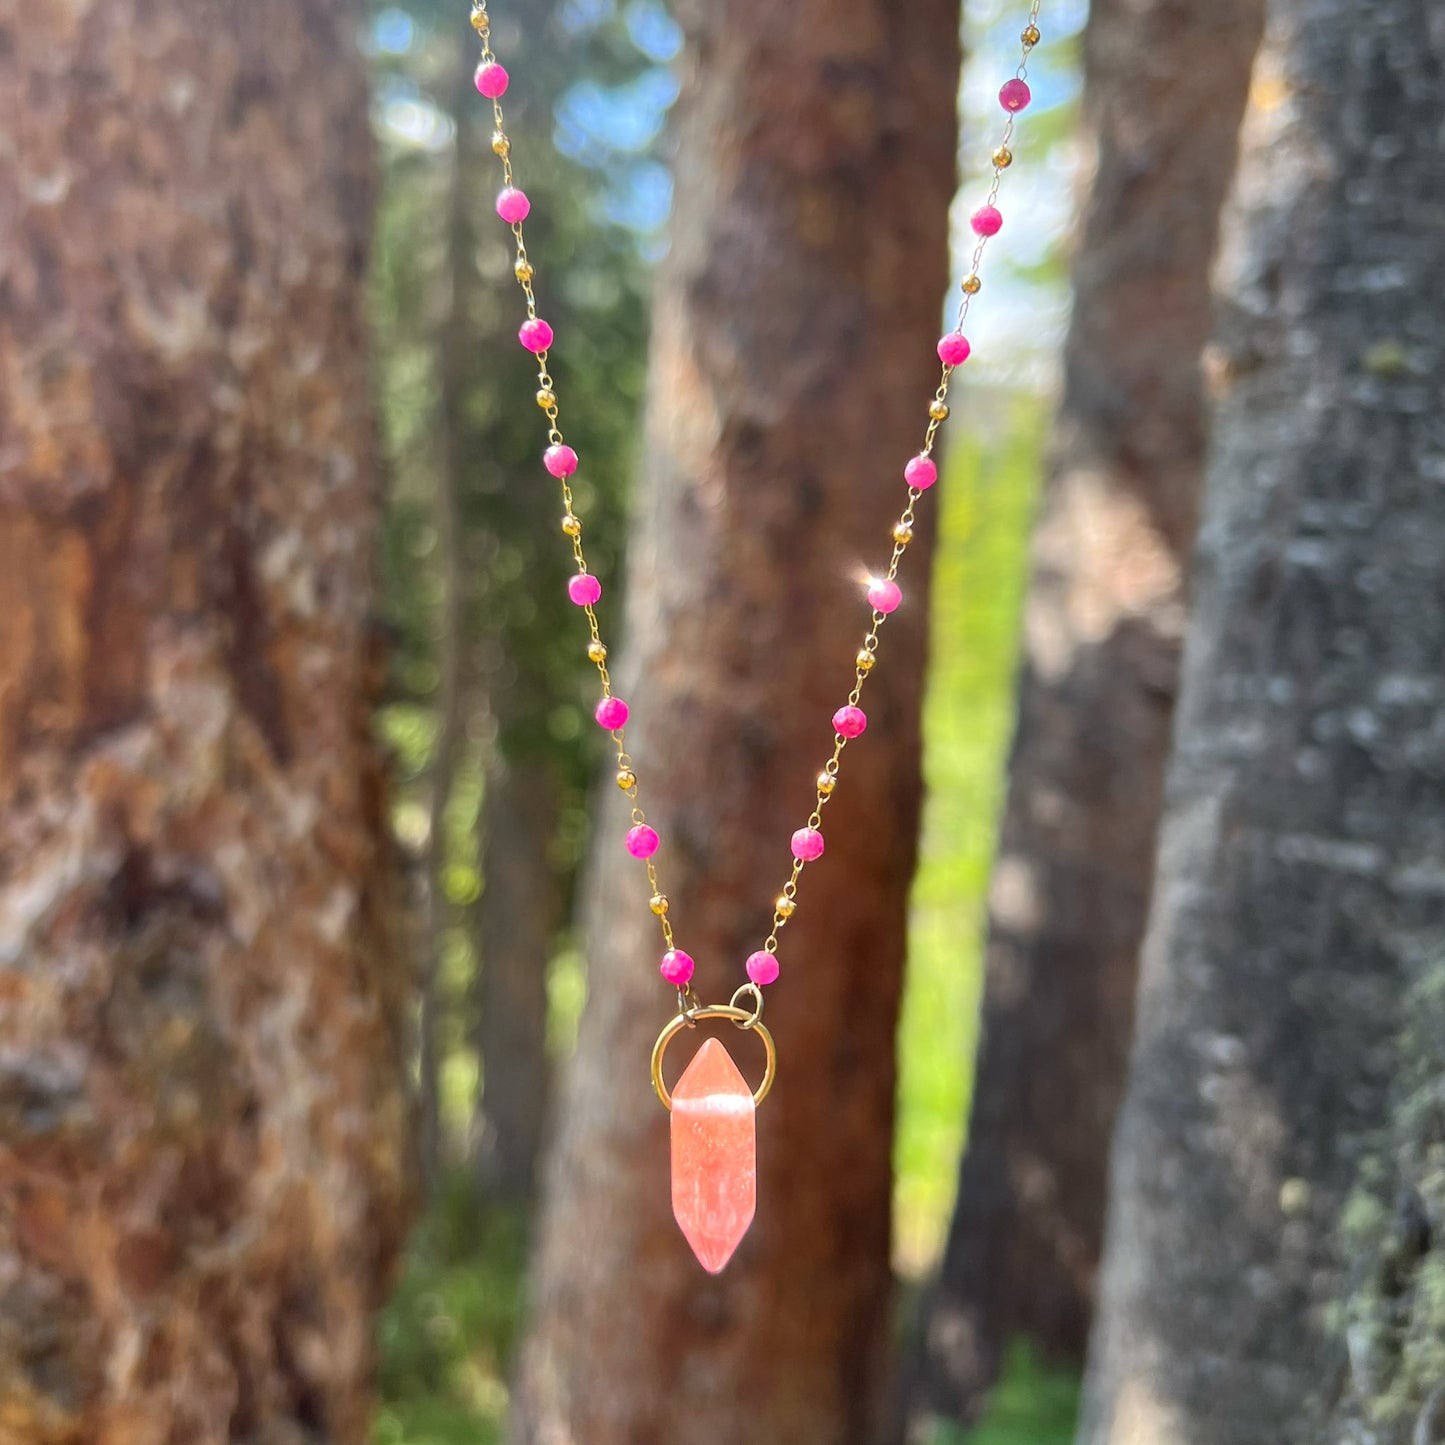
{"x": 743, "y": 1018}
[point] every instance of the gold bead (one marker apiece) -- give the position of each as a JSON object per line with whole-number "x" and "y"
{"x": 500, "y": 144}
{"x": 865, "y": 660}
{"x": 480, "y": 23}
{"x": 522, "y": 269}
{"x": 1030, "y": 35}
{"x": 971, "y": 284}
{"x": 784, "y": 907}
{"x": 571, "y": 525}
{"x": 658, "y": 903}
{"x": 903, "y": 533}
{"x": 938, "y": 410}
{"x": 626, "y": 779}
{"x": 546, "y": 398}
{"x": 826, "y": 783}
{"x": 597, "y": 651}
{"x": 1003, "y": 158}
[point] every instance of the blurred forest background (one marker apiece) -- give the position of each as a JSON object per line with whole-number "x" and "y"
{"x": 488, "y": 713}
{"x": 1112, "y": 1097}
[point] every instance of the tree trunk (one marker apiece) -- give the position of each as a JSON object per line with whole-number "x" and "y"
{"x": 201, "y": 1102}
{"x": 1164, "y": 89}
{"x": 516, "y": 932}
{"x": 793, "y": 362}
{"x": 1299, "y": 888}
{"x": 451, "y": 472}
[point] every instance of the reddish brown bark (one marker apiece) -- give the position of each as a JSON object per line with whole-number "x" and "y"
{"x": 792, "y": 365}
{"x": 201, "y": 1111}
{"x": 1165, "y": 85}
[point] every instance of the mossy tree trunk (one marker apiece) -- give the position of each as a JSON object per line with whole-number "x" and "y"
{"x": 201, "y": 1098}
{"x": 792, "y": 366}
{"x": 1301, "y": 879}
{"x": 1164, "y": 90}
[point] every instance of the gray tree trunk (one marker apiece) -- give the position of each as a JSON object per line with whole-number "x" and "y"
{"x": 203, "y": 1155}
{"x": 1164, "y": 89}
{"x": 1301, "y": 880}
{"x": 793, "y": 364}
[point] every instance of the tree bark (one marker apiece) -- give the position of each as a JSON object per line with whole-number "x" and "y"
{"x": 451, "y": 474}
{"x": 792, "y": 364}
{"x": 1299, "y": 888}
{"x": 1164, "y": 90}
{"x": 201, "y": 1101}
{"x": 516, "y": 932}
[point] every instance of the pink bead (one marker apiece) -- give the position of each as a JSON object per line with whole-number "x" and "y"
{"x": 884, "y": 594}
{"x": 491, "y": 79}
{"x": 807, "y": 844}
{"x": 762, "y": 968}
{"x": 535, "y": 334}
{"x": 584, "y": 589}
{"x": 676, "y": 967}
{"x": 986, "y": 221}
{"x": 953, "y": 349}
{"x": 513, "y": 205}
{"x": 1014, "y": 95}
{"x": 611, "y": 713}
{"x": 642, "y": 841}
{"x": 848, "y": 722}
{"x": 921, "y": 472}
{"x": 561, "y": 461}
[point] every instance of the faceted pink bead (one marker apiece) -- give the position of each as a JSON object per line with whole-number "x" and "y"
{"x": 642, "y": 841}
{"x": 714, "y": 1155}
{"x": 848, "y": 722}
{"x": 921, "y": 472}
{"x": 535, "y": 334}
{"x": 953, "y": 349}
{"x": 492, "y": 79}
{"x": 561, "y": 461}
{"x": 884, "y": 594}
{"x": 584, "y": 589}
{"x": 807, "y": 844}
{"x": 986, "y": 221}
{"x": 1014, "y": 95}
{"x": 513, "y": 205}
{"x": 762, "y": 967}
{"x": 611, "y": 713}
{"x": 676, "y": 968}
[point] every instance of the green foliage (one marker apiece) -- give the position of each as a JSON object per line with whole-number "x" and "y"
{"x": 446, "y": 1335}
{"x": 987, "y": 498}
{"x": 1033, "y": 1404}
{"x": 1392, "y": 1319}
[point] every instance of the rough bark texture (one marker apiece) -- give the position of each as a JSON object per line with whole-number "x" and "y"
{"x": 1301, "y": 881}
{"x": 793, "y": 358}
{"x": 1164, "y": 90}
{"x": 201, "y": 1111}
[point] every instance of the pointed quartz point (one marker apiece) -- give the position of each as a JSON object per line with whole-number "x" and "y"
{"x": 714, "y": 1155}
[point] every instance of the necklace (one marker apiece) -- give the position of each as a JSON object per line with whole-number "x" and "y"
{"x": 713, "y": 1126}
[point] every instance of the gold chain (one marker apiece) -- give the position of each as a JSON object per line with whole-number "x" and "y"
{"x": 786, "y": 903}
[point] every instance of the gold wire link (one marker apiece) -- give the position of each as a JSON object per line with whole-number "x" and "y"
{"x": 870, "y": 640}
{"x": 524, "y": 272}
{"x": 689, "y": 1009}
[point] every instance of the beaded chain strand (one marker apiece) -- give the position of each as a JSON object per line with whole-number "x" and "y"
{"x": 884, "y": 594}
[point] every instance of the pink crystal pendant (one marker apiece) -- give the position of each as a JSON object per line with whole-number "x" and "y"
{"x": 714, "y": 1155}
